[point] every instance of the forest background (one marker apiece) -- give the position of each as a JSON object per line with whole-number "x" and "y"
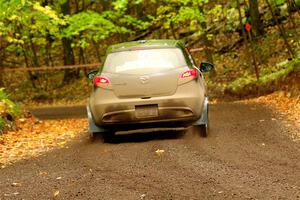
{"x": 253, "y": 44}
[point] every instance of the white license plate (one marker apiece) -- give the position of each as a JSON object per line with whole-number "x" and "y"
{"x": 146, "y": 111}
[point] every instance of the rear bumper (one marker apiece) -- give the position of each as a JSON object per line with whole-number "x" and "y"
{"x": 121, "y": 129}
{"x": 185, "y": 105}
{"x": 164, "y": 114}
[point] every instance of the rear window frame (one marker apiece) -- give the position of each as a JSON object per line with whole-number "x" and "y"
{"x": 185, "y": 55}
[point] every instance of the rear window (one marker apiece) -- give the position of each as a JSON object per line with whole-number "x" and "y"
{"x": 144, "y": 61}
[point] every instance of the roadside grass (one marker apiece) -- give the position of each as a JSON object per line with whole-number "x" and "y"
{"x": 248, "y": 83}
{"x": 277, "y": 71}
{"x": 2, "y": 123}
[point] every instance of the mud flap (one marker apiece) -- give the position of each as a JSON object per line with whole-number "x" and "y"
{"x": 93, "y": 128}
{"x": 204, "y": 116}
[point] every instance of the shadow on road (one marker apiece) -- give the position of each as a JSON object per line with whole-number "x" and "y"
{"x": 138, "y": 137}
{"x": 60, "y": 112}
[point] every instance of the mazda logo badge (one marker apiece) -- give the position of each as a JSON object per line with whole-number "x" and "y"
{"x": 144, "y": 79}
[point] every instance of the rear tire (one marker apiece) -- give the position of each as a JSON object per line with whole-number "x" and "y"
{"x": 202, "y": 125}
{"x": 109, "y": 137}
{"x": 203, "y": 130}
{"x": 92, "y": 136}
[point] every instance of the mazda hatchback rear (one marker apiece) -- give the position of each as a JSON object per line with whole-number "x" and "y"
{"x": 150, "y": 86}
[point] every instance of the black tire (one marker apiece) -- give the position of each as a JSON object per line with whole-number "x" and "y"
{"x": 203, "y": 130}
{"x": 92, "y": 136}
{"x": 109, "y": 137}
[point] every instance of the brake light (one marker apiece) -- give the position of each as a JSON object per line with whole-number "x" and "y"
{"x": 190, "y": 73}
{"x": 101, "y": 81}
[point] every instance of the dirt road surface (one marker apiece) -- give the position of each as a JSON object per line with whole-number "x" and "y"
{"x": 248, "y": 155}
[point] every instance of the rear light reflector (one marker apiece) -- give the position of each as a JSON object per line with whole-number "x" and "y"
{"x": 190, "y": 73}
{"x": 100, "y": 81}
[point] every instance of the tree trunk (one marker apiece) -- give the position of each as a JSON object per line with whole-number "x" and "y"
{"x": 48, "y": 54}
{"x": 32, "y": 77}
{"x": 1, "y": 78}
{"x": 295, "y": 5}
{"x": 173, "y": 31}
{"x": 105, "y": 4}
{"x": 253, "y": 55}
{"x": 2, "y": 50}
{"x": 290, "y": 7}
{"x": 69, "y": 58}
{"x": 35, "y": 60}
{"x": 241, "y": 21}
{"x": 282, "y": 31}
{"x": 257, "y": 25}
{"x": 249, "y": 50}
{"x": 96, "y": 48}
{"x": 207, "y": 43}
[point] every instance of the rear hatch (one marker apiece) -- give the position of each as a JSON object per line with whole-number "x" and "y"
{"x": 147, "y": 85}
{"x": 144, "y": 73}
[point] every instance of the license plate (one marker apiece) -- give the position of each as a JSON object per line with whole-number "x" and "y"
{"x": 146, "y": 111}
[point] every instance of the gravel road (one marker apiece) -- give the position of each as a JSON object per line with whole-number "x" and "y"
{"x": 248, "y": 155}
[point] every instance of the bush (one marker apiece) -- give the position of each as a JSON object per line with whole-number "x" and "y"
{"x": 8, "y": 109}
{"x": 2, "y": 123}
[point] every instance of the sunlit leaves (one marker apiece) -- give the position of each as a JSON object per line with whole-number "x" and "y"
{"x": 25, "y": 21}
{"x": 120, "y": 5}
{"x": 89, "y": 26}
{"x": 47, "y": 11}
{"x": 181, "y": 11}
{"x": 130, "y": 21}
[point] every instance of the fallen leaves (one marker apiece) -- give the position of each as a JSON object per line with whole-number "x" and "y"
{"x": 143, "y": 196}
{"x": 43, "y": 173}
{"x": 16, "y": 184}
{"x": 22, "y": 119}
{"x": 56, "y": 193}
{"x": 286, "y": 108}
{"x": 159, "y": 152}
{"x": 11, "y": 194}
{"x": 282, "y": 103}
{"x": 35, "y": 137}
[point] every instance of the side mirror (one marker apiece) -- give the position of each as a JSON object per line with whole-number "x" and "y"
{"x": 206, "y": 67}
{"x": 92, "y": 74}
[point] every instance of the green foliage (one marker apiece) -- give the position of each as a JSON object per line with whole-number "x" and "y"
{"x": 7, "y": 107}
{"x": 181, "y": 11}
{"x": 120, "y": 5}
{"x": 277, "y": 2}
{"x": 36, "y": 28}
{"x": 2, "y": 123}
{"x": 92, "y": 26}
{"x": 25, "y": 22}
{"x": 89, "y": 26}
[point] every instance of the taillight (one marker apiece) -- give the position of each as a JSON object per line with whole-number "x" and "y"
{"x": 190, "y": 74}
{"x": 100, "y": 81}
